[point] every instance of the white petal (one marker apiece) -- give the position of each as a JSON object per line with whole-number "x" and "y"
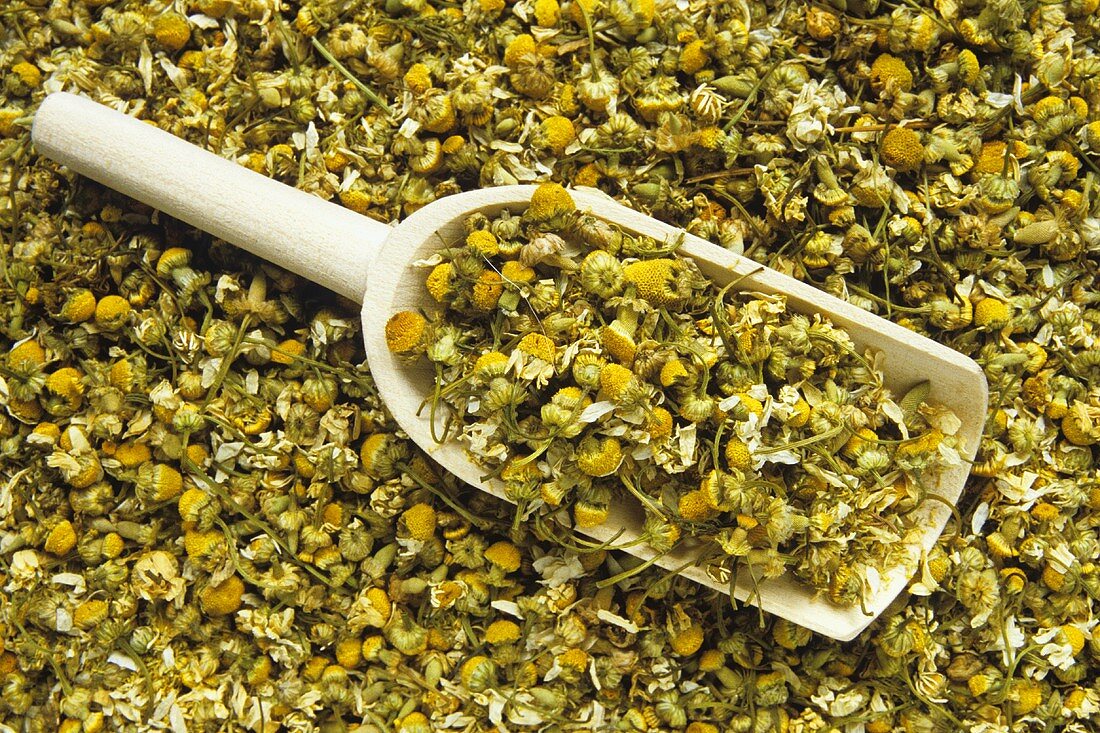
{"x": 980, "y": 515}
{"x": 616, "y": 620}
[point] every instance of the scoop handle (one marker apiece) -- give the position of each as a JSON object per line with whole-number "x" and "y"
{"x": 319, "y": 240}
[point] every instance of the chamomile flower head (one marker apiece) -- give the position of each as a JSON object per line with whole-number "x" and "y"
{"x": 902, "y": 149}
{"x": 405, "y": 332}
{"x": 550, "y": 201}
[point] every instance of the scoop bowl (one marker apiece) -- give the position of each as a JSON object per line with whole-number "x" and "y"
{"x": 372, "y": 262}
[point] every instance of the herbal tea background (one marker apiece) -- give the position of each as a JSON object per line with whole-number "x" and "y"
{"x": 207, "y": 516}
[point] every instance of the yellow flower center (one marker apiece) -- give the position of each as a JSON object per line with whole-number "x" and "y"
{"x": 504, "y": 555}
{"x": 655, "y": 280}
{"x": 550, "y": 200}
{"x": 404, "y": 331}
{"x": 902, "y": 149}
{"x": 538, "y": 346}
{"x": 420, "y": 521}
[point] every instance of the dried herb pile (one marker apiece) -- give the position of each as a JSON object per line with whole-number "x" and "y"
{"x": 206, "y": 515}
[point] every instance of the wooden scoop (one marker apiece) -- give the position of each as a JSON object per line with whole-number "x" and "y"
{"x": 370, "y": 262}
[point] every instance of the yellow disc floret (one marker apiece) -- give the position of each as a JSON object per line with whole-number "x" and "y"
{"x": 588, "y": 515}
{"x": 453, "y": 144}
{"x": 711, "y": 660}
{"x": 1026, "y": 695}
{"x": 372, "y": 453}
{"x": 969, "y": 66}
{"x": 738, "y": 455}
{"x": 520, "y": 46}
{"x": 190, "y": 504}
{"x": 1044, "y": 511}
{"x": 420, "y": 521}
{"x": 159, "y": 482}
{"x": 550, "y": 200}
{"x": 201, "y": 546}
{"x": 902, "y": 149}
{"x": 90, "y": 613}
{"x": 520, "y": 469}
{"x": 538, "y": 346}
{"x": 349, "y": 652}
{"x": 991, "y": 313}
{"x": 477, "y": 672}
{"x": 440, "y": 281}
{"x": 700, "y": 727}
{"x": 287, "y": 350}
{"x": 66, "y": 383}
{"x": 673, "y": 372}
{"x": 992, "y": 158}
{"x": 1078, "y": 426}
{"x": 483, "y": 242}
{"x": 8, "y": 116}
{"x": 415, "y": 722}
{"x": 489, "y": 365}
{"x": 615, "y": 379}
{"x": 122, "y": 374}
{"x": 111, "y": 311}
{"x": 1048, "y": 107}
{"x": 599, "y": 457}
{"x": 222, "y": 599}
{"x": 1092, "y": 135}
{"x": 405, "y": 331}
{"x": 979, "y": 684}
{"x": 693, "y": 57}
{"x": 687, "y": 641}
{"x": 1074, "y": 637}
{"x": 821, "y": 23}
{"x": 502, "y": 632}
{"x": 380, "y": 603}
{"x": 587, "y": 175}
{"x": 418, "y": 79}
{"x": 441, "y": 116}
{"x": 575, "y": 659}
{"x": 695, "y": 507}
{"x": 172, "y": 31}
{"x": 559, "y": 132}
{"x": 28, "y": 73}
{"x": 1075, "y": 700}
{"x": 24, "y": 410}
{"x": 860, "y": 441}
{"x": 504, "y": 555}
{"x": 799, "y": 415}
{"x": 356, "y": 200}
{"x": 890, "y": 73}
{"x": 617, "y": 341}
{"x": 132, "y": 455}
{"x": 79, "y": 307}
{"x": 61, "y": 539}
{"x": 47, "y": 430}
{"x": 547, "y": 12}
{"x": 659, "y": 425}
{"x": 27, "y": 355}
{"x": 487, "y": 290}
{"x": 750, "y": 403}
{"x": 515, "y": 271}
{"x": 921, "y": 445}
{"x": 655, "y": 280}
